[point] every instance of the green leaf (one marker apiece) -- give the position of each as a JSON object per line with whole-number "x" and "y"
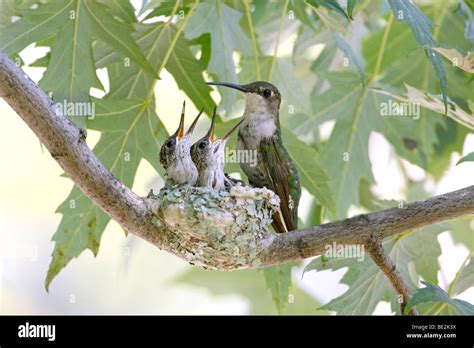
{"x": 115, "y": 34}
{"x": 367, "y": 283}
{"x": 42, "y": 62}
{"x": 425, "y": 244}
{"x": 75, "y": 24}
{"x": 438, "y": 136}
{"x": 344, "y": 157}
{"x": 71, "y": 70}
{"x": 420, "y": 25}
{"x": 334, "y": 27}
{"x": 415, "y": 255}
{"x": 322, "y": 263}
{"x": 329, "y": 21}
{"x": 464, "y": 279}
{"x": 187, "y": 71}
{"x": 433, "y": 293}
{"x": 222, "y": 22}
{"x": 402, "y": 61}
{"x": 299, "y": 8}
{"x": 81, "y": 228}
{"x": 278, "y": 280}
{"x": 11, "y": 8}
{"x": 162, "y": 8}
{"x": 344, "y": 46}
{"x": 394, "y": 54}
{"x": 462, "y": 231}
{"x": 266, "y": 12}
{"x": 159, "y": 7}
{"x": 370, "y": 201}
{"x": 35, "y": 24}
{"x": 122, "y": 9}
{"x": 90, "y": 20}
{"x": 468, "y": 158}
{"x": 131, "y": 131}
{"x": 358, "y": 111}
{"x": 350, "y": 8}
{"x": 450, "y": 140}
{"x": 331, "y": 5}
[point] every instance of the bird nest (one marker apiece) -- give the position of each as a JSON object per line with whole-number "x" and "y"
{"x": 215, "y": 229}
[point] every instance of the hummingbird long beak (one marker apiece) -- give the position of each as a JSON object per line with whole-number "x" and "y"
{"x": 180, "y": 132}
{"x": 193, "y": 125}
{"x": 211, "y": 133}
{"x": 230, "y": 85}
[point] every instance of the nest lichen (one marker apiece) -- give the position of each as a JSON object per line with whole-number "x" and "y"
{"x": 215, "y": 229}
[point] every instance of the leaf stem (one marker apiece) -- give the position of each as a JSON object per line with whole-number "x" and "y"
{"x": 253, "y": 38}
{"x": 173, "y": 43}
{"x": 277, "y": 43}
{"x": 174, "y": 10}
{"x": 364, "y": 5}
{"x": 451, "y": 286}
{"x": 378, "y": 63}
{"x": 440, "y": 308}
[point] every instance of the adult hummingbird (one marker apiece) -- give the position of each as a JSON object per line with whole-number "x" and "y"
{"x": 175, "y": 154}
{"x": 260, "y": 132}
{"x": 208, "y": 155}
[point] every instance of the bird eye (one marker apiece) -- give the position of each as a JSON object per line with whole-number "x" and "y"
{"x": 202, "y": 145}
{"x": 169, "y": 144}
{"x": 267, "y": 93}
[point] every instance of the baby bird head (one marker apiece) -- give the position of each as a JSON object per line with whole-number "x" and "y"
{"x": 209, "y": 151}
{"x": 178, "y": 145}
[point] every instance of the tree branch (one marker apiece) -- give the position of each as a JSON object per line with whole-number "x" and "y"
{"x": 359, "y": 229}
{"x": 227, "y": 231}
{"x": 385, "y": 263}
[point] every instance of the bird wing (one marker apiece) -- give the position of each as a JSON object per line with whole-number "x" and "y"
{"x": 283, "y": 180}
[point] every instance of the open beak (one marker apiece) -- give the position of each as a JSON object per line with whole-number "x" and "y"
{"x": 180, "y": 132}
{"x": 229, "y": 133}
{"x": 230, "y": 85}
{"x": 211, "y": 133}
{"x": 223, "y": 140}
{"x": 193, "y": 125}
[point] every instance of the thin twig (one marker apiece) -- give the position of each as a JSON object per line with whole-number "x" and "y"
{"x": 384, "y": 262}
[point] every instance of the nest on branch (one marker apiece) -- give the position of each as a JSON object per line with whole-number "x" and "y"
{"x": 215, "y": 229}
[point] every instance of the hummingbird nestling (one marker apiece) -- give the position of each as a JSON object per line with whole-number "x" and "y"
{"x": 208, "y": 155}
{"x": 260, "y": 132}
{"x": 175, "y": 154}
